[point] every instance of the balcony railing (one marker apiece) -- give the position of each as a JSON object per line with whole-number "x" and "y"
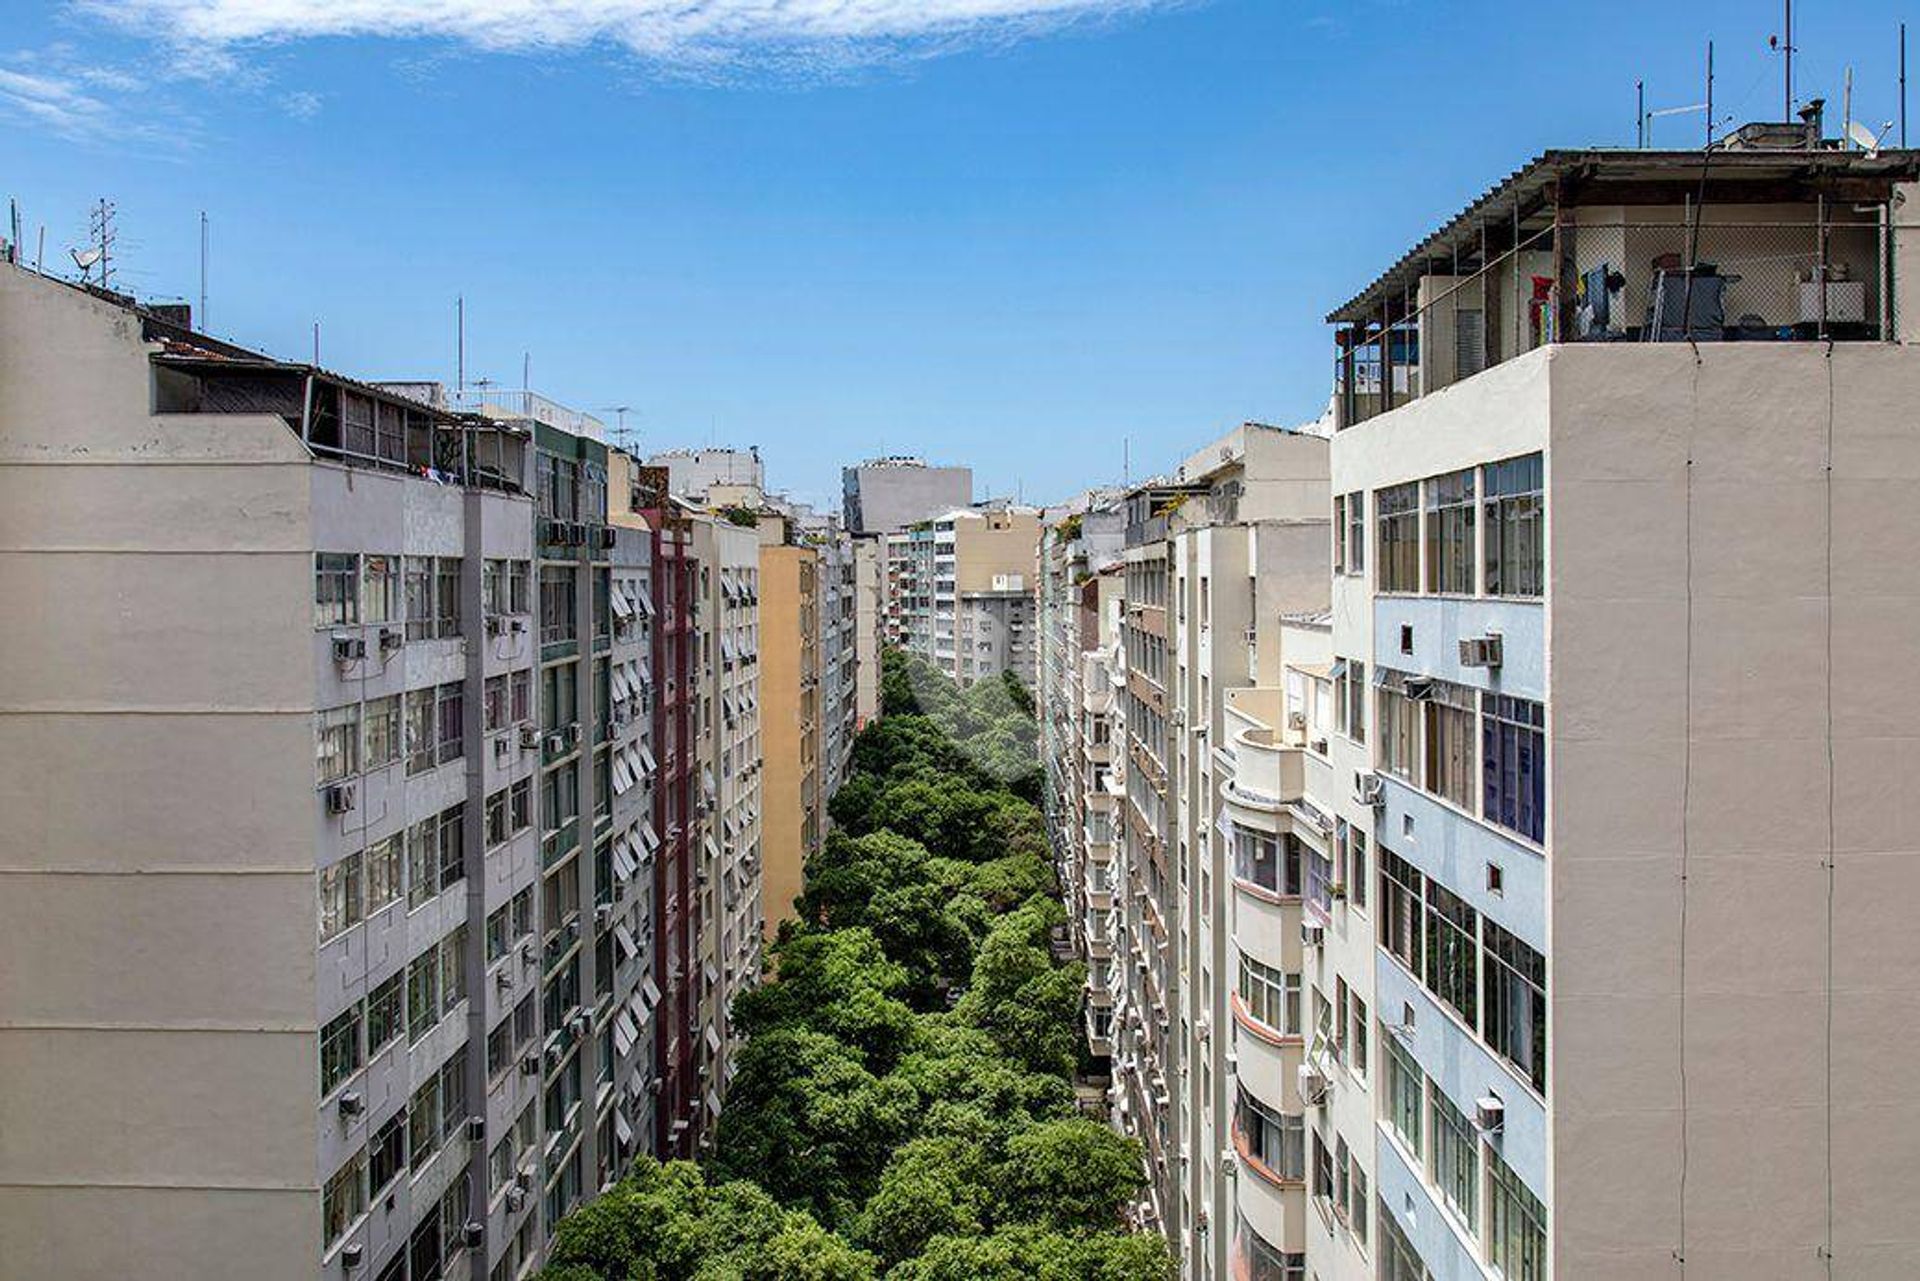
{"x": 1739, "y": 274}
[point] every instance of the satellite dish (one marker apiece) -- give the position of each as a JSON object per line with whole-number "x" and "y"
{"x": 85, "y": 258}
{"x": 1865, "y": 138}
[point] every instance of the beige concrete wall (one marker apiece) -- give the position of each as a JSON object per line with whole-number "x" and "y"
{"x": 1735, "y": 720}
{"x": 157, "y": 914}
{"x": 785, "y": 657}
{"x": 995, "y": 543}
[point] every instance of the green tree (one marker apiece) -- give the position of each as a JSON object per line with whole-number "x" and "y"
{"x": 1069, "y": 1175}
{"x": 932, "y": 1187}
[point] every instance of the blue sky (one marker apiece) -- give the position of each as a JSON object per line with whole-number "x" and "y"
{"x": 1012, "y": 233}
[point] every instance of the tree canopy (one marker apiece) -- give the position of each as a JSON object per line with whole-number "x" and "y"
{"x": 904, "y": 1104}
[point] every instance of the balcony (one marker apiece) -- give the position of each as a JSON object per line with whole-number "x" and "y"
{"x": 1790, "y": 244}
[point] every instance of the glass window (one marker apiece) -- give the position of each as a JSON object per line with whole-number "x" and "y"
{"x": 1266, "y": 861}
{"x": 344, "y": 1199}
{"x": 1270, "y": 996}
{"x": 386, "y": 1014}
{"x": 447, "y": 597}
{"x": 557, "y": 621}
{"x": 336, "y": 589}
{"x": 1450, "y": 549}
{"x": 417, "y": 578}
{"x": 422, "y": 731}
{"x": 1397, "y": 511}
{"x": 382, "y": 872}
{"x": 1515, "y": 991}
{"x": 1514, "y": 744}
{"x": 423, "y": 1122}
{"x": 1515, "y": 536}
{"x": 340, "y": 897}
{"x": 1449, "y": 713}
{"x": 339, "y": 1050}
{"x": 1397, "y": 721}
{"x": 337, "y": 743}
{"x": 1339, "y": 533}
{"x": 1401, "y": 887}
{"x": 520, "y": 694}
{"x": 1453, "y": 953}
{"x": 1357, "y": 532}
{"x": 1516, "y": 1225}
{"x": 1257, "y": 1260}
{"x": 387, "y": 1152}
{"x": 381, "y": 589}
{"x": 423, "y": 994}
{"x": 382, "y": 732}
{"x": 1404, "y": 1081}
{"x": 1456, "y": 1158}
{"x": 1275, "y": 1140}
{"x": 1399, "y": 1261}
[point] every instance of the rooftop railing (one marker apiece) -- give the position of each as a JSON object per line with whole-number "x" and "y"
{"x": 1740, "y": 274}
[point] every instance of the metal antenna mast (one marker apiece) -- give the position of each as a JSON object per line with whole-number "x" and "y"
{"x": 203, "y": 271}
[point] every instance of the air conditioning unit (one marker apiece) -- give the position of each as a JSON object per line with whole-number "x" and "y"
{"x": 1229, "y": 1161}
{"x": 556, "y": 743}
{"x": 352, "y": 1103}
{"x": 529, "y": 737}
{"x": 473, "y": 1235}
{"x": 573, "y": 733}
{"x": 602, "y": 914}
{"x": 1313, "y": 1085}
{"x": 477, "y": 1128}
{"x": 391, "y": 638}
{"x": 1312, "y": 935}
{"x": 554, "y": 1055}
{"x": 530, "y": 1065}
{"x": 580, "y": 1024}
{"x": 1203, "y": 1027}
{"x": 523, "y": 1180}
{"x": 352, "y": 1255}
{"x": 1418, "y": 689}
{"x": 340, "y": 798}
{"x": 516, "y": 1200}
{"x": 1296, "y": 720}
{"x": 495, "y": 624}
{"x": 1489, "y": 1114}
{"x": 1369, "y": 788}
{"x": 504, "y": 979}
{"x": 606, "y": 535}
{"x": 1481, "y": 651}
{"x": 348, "y": 649}
{"x": 517, "y": 625}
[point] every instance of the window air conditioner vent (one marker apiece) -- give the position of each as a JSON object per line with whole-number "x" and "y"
{"x": 1481, "y": 651}
{"x": 340, "y": 798}
{"x": 349, "y": 649}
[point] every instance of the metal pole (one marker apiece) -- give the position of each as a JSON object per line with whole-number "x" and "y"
{"x": 203, "y": 271}
{"x": 1640, "y": 114}
{"x": 1903, "y": 84}
{"x": 460, "y": 345}
{"x": 1789, "y": 53}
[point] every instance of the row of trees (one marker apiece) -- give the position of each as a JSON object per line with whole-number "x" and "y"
{"x": 904, "y": 1105}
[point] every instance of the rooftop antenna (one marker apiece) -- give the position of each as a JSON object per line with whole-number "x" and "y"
{"x": 1903, "y": 84}
{"x": 316, "y": 344}
{"x": 1126, "y": 467}
{"x": 1640, "y": 114}
{"x": 526, "y": 371}
{"x": 203, "y": 271}
{"x": 460, "y": 345}
{"x": 13, "y": 235}
{"x": 1784, "y": 44}
{"x": 100, "y": 227}
{"x": 40, "y": 254}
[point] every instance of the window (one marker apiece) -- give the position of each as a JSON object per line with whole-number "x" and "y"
{"x": 1450, "y": 549}
{"x": 1399, "y": 1261}
{"x": 1396, "y": 713}
{"x": 423, "y": 994}
{"x": 560, "y": 695}
{"x": 1351, "y": 692}
{"x": 381, "y": 869}
{"x": 386, "y": 1014}
{"x": 1339, "y": 533}
{"x": 382, "y": 734}
{"x": 336, "y": 589}
{"x": 1356, "y": 1039}
{"x": 436, "y": 854}
{"x": 520, "y": 805}
{"x": 380, "y": 591}
{"x": 494, "y": 703}
{"x": 1515, "y": 542}
{"x": 387, "y": 1153}
{"x": 1357, "y": 532}
{"x": 1401, "y": 890}
{"x": 497, "y": 829}
{"x": 520, "y": 694}
{"x": 1322, "y": 1169}
{"x": 1449, "y": 712}
{"x": 340, "y": 901}
{"x": 1453, "y": 953}
{"x": 1515, "y": 991}
{"x": 1266, "y": 861}
{"x": 518, "y": 572}
{"x": 436, "y": 723}
{"x": 446, "y": 597}
{"x": 453, "y": 1093}
{"x": 1397, "y": 511}
{"x": 1404, "y": 1081}
{"x": 557, "y": 622}
{"x": 1516, "y": 1225}
{"x": 337, "y": 743}
{"x": 1270, "y": 996}
{"x": 339, "y": 1050}
{"x": 423, "y": 1122}
{"x": 1456, "y": 1158}
{"x": 453, "y": 971}
{"x": 1256, "y": 1260}
{"x": 1273, "y": 1139}
{"x": 417, "y": 580}
{"x": 560, "y": 797}
{"x": 451, "y": 703}
{"x": 500, "y": 1048}
{"x": 1354, "y": 869}
{"x": 1513, "y": 741}
{"x": 1359, "y": 1201}
{"x": 344, "y": 1199}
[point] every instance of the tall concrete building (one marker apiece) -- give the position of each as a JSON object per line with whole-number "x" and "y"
{"x": 714, "y": 478}
{"x": 795, "y": 804}
{"x": 959, "y": 591}
{"x": 333, "y": 985}
{"x": 1518, "y": 907}
{"x": 886, "y": 495}
{"x": 869, "y": 625}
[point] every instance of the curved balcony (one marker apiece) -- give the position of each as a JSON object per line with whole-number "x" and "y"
{"x": 1268, "y": 773}
{"x": 1269, "y": 1060}
{"x": 1272, "y": 1206}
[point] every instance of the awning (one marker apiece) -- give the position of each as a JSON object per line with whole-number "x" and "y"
{"x": 650, "y": 991}
{"x": 624, "y": 937}
{"x": 644, "y": 672}
{"x": 620, "y": 1126}
{"x": 1338, "y": 670}
{"x": 645, "y": 602}
{"x": 713, "y": 1103}
{"x": 638, "y": 767}
{"x": 713, "y": 1038}
{"x": 622, "y": 607}
{"x": 624, "y": 1034}
{"x": 1319, "y": 671}
{"x": 646, "y": 758}
{"x": 648, "y": 837}
{"x": 624, "y": 862}
{"x": 713, "y": 848}
{"x": 622, "y": 774}
{"x": 622, "y": 682}
{"x": 726, "y": 646}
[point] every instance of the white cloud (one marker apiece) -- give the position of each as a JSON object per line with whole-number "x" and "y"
{"x": 300, "y": 104}
{"x": 689, "y": 34}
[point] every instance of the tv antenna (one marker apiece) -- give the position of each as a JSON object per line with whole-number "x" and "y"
{"x": 100, "y": 231}
{"x": 1783, "y": 44}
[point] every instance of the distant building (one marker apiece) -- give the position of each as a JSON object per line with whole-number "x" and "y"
{"x": 958, "y": 591}
{"x": 714, "y": 477}
{"x": 885, "y": 495}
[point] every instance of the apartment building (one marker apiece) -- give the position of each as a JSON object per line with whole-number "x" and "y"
{"x": 959, "y": 592}
{"x": 318, "y": 994}
{"x": 672, "y": 690}
{"x": 790, "y": 676}
{"x": 729, "y": 749}
{"x": 714, "y": 478}
{"x": 887, "y": 495}
{"x": 840, "y": 656}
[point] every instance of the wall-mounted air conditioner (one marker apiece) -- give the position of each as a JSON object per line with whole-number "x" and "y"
{"x": 1369, "y": 788}
{"x": 1312, "y": 935}
{"x": 352, "y": 1103}
{"x": 1489, "y": 1114}
{"x": 349, "y": 649}
{"x": 1481, "y": 651}
{"x": 340, "y": 798}
{"x": 1313, "y": 1085}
